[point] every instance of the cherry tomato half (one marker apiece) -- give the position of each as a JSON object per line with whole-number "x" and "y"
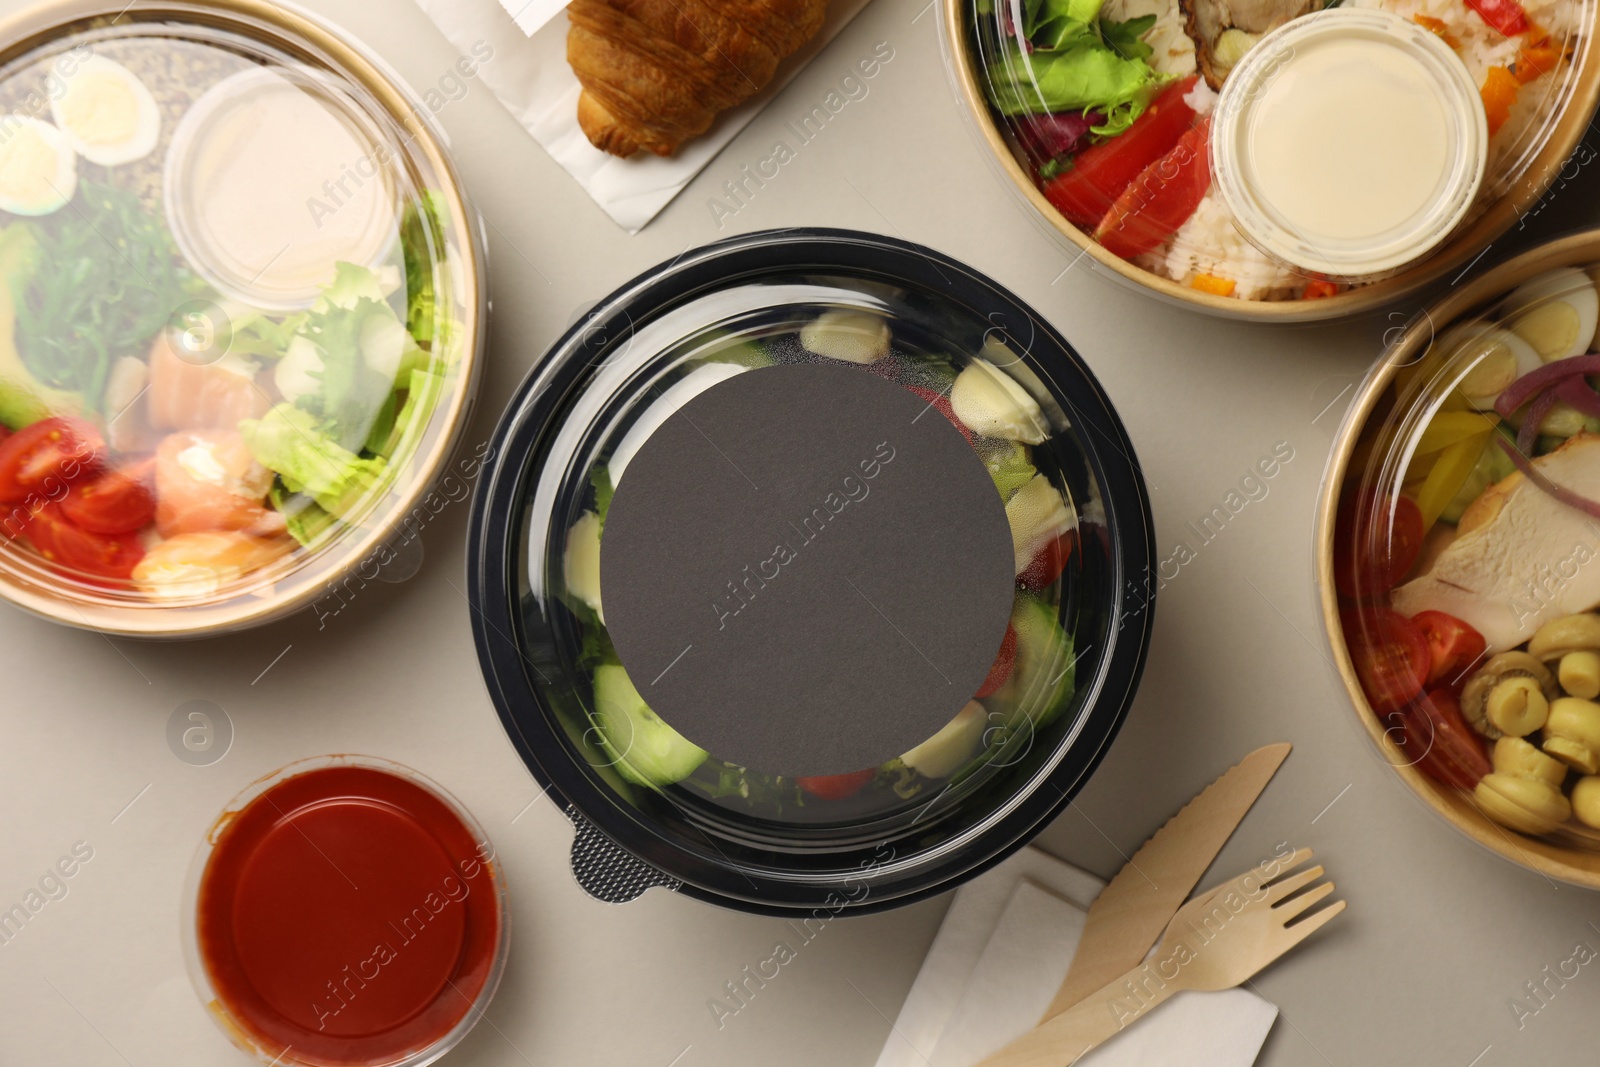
{"x": 1048, "y": 563}
{"x": 1375, "y": 543}
{"x": 119, "y": 501}
{"x": 1436, "y": 738}
{"x": 1454, "y": 647}
{"x": 942, "y": 402}
{"x": 45, "y": 456}
{"x": 1004, "y": 660}
{"x": 1390, "y": 656}
{"x": 72, "y": 548}
{"x": 836, "y": 786}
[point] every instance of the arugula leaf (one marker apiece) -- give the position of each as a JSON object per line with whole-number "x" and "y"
{"x": 1127, "y": 38}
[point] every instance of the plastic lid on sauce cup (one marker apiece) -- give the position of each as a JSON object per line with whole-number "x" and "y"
{"x": 1349, "y": 143}
{"x": 346, "y": 912}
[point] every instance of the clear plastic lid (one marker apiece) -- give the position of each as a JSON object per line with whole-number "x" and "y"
{"x": 804, "y": 545}
{"x": 1462, "y": 553}
{"x": 1379, "y": 143}
{"x": 240, "y": 317}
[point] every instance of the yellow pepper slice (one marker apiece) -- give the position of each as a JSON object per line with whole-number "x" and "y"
{"x": 1449, "y": 474}
{"x": 1449, "y": 427}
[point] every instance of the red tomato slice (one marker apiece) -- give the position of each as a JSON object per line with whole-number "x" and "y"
{"x": 836, "y": 786}
{"x": 1161, "y": 198}
{"x": 1101, "y": 172}
{"x": 1454, "y": 647}
{"x": 942, "y": 402}
{"x": 1000, "y": 669}
{"x": 118, "y": 501}
{"x": 1047, "y": 565}
{"x": 1374, "y": 547}
{"x": 1506, "y": 16}
{"x": 71, "y": 548}
{"x": 1390, "y": 656}
{"x": 15, "y": 518}
{"x": 1438, "y": 740}
{"x": 45, "y": 456}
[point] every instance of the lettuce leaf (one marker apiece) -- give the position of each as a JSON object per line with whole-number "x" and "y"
{"x": 288, "y": 440}
{"x": 1087, "y": 76}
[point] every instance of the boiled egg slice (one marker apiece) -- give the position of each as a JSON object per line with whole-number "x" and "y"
{"x": 107, "y": 113}
{"x": 1556, "y": 313}
{"x": 38, "y": 169}
{"x": 1489, "y": 359}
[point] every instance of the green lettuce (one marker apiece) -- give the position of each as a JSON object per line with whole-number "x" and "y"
{"x": 289, "y": 441}
{"x": 1088, "y": 76}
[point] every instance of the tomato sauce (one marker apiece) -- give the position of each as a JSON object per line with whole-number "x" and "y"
{"x": 349, "y": 916}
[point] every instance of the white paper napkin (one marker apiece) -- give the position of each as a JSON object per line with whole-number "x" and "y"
{"x": 530, "y": 77}
{"x": 1000, "y": 955}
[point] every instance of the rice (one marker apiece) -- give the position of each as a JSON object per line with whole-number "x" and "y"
{"x": 1209, "y": 243}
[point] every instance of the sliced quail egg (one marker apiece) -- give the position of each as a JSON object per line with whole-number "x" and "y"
{"x": 1556, "y": 313}
{"x": 38, "y": 170}
{"x": 1491, "y": 357}
{"x": 107, "y": 113}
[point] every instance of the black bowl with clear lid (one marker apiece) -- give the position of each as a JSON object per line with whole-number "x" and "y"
{"x": 876, "y": 583}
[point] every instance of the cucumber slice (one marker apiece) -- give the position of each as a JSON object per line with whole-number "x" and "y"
{"x": 646, "y": 750}
{"x": 1041, "y": 682}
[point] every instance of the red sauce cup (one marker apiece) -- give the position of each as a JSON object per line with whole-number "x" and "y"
{"x": 345, "y": 911}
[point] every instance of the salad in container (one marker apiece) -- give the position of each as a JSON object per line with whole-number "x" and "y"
{"x": 1459, "y": 549}
{"x": 1285, "y": 160}
{"x": 981, "y": 467}
{"x": 241, "y": 314}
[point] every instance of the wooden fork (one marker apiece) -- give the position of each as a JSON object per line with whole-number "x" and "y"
{"x": 1216, "y": 941}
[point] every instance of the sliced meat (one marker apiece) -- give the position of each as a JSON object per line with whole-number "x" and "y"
{"x": 1224, "y": 30}
{"x": 1521, "y": 557}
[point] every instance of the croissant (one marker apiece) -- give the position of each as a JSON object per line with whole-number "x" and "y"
{"x": 657, "y": 72}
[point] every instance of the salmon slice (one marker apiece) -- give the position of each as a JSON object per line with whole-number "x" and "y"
{"x": 200, "y": 396}
{"x": 208, "y": 480}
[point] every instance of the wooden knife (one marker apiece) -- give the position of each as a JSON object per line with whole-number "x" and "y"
{"x": 1134, "y": 908}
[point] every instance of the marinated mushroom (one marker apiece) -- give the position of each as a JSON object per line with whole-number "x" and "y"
{"x": 1518, "y": 704}
{"x": 1573, "y": 644}
{"x": 1586, "y": 802}
{"x": 1519, "y": 759}
{"x": 1523, "y": 804}
{"x": 1572, "y": 733}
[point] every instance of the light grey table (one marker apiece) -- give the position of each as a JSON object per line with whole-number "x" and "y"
{"x": 1439, "y": 936}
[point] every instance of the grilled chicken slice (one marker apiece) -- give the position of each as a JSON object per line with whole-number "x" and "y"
{"x": 1224, "y": 30}
{"x": 1521, "y": 557}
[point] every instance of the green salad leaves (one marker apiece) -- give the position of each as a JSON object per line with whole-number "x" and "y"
{"x": 1078, "y": 62}
{"x": 358, "y": 390}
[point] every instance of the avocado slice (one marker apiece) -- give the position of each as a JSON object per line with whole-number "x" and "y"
{"x": 24, "y": 399}
{"x": 645, "y": 749}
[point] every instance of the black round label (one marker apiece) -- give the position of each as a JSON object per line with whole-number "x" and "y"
{"x": 806, "y": 570}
